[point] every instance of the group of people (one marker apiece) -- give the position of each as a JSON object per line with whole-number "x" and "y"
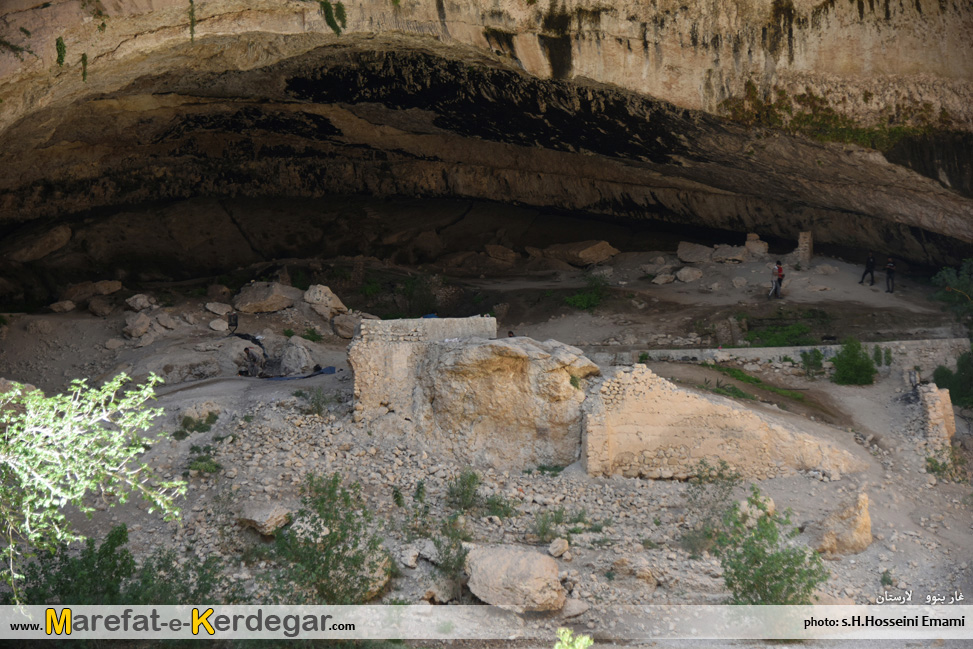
{"x": 777, "y": 276}
{"x": 889, "y": 273}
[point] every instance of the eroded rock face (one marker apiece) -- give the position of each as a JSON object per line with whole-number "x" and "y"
{"x": 846, "y": 531}
{"x": 303, "y": 113}
{"x": 639, "y": 424}
{"x": 510, "y": 403}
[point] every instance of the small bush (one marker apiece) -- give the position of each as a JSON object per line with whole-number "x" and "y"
{"x": 461, "y": 492}
{"x": 960, "y": 382}
{"x": 644, "y": 358}
{"x": 852, "y": 365}
{"x": 708, "y": 500}
{"x": 565, "y": 637}
{"x": 887, "y": 579}
{"x": 544, "y": 526}
{"x": 956, "y": 286}
{"x": 289, "y": 332}
{"x": 812, "y": 361}
{"x": 760, "y": 566}
{"x": 204, "y": 464}
{"x": 888, "y": 355}
{"x": 575, "y": 382}
{"x": 333, "y": 556}
{"x": 877, "y": 356}
{"x": 62, "y": 50}
{"x": 497, "y": 505}
{"x": 452, "y": 557}
{"x": 947, "y": 466}
{"x": 316, "y": 402}
{"x": 591, "y": 297}
{"x": 371, "y": 288}
{"x": 201, "y": 425}
{"x": 312, "y": 335}
{"x": 550, "y": 469}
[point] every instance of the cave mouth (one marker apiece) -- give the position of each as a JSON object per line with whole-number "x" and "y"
{"x": 187, "y": 245}
{"x": 364, "y": 147}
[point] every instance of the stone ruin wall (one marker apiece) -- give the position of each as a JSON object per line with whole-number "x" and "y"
{"x": 451, "y": 387}
{"x": 386, "y": 356}
{"x": 637, "y": 424}
{"x": 938, "y": 421}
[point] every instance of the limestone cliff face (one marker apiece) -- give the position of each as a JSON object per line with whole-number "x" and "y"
{"x": 866, "y": 57}
{"x": 503, "y": 101}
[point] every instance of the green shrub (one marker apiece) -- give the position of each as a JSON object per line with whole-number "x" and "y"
{"x": 852, "y": 365}
{"x": 289, "y": 332}
{"x": 708, "y": 499}
{"x": 312, "y": 334}
{"x": 107, "y": 574}
{"x": 62, "y": 50}
{"x": 316, "y": 402}
{"x": 371, "y": 288}
{"x": 329, "y": 16}
{"x": 591, "y": 297}
{"x": 331, "y": 555}
{"x": 948, "y": 465}
{"x": 956, "y": 287}
{"x": 550, "y": 469}
{"x": 84, "y": 67}
{"x": 204, "y": 464}
{"x": 497, "y": 505}
{"x": 760, "y": 566}
{"x": 461, "y": 492}
{"x": 544, "y": 526}
{"x": 887, "y": 579}
{"x": 452, "y": 557}
{"x": 877, "y": 356}
{"x": 812, "y": 361}
{"x": 644, "y": 358}
{"x": 888, "y": 355}
{"x": 794, "y": 335}
{"x": 575, "y": 382}
{"x": 56, "y": 450}
{"x": 960, "y": 382}
{"x": 565, "y": 637}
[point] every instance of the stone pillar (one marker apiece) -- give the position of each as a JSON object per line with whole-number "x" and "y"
{"x": 937, "y": 413}
{"x": 805, "y": 248}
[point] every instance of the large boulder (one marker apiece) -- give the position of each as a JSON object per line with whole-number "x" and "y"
{"x": 346, "y": 324}
{"x": 692, "y": 253}
{"x": 136, "y": 324}
{"x": 582, "y": 253}
{"x": 266, "y": 518}
{"x": 688, "y": 274}
{"x": 324, "y": 302}
{"x": 515, "y": 579}
{"x": 730, "y": 254}
{"x": 295, "y": 359}
{"x": 266, "y": 297}
{"x": 848, "y": 530}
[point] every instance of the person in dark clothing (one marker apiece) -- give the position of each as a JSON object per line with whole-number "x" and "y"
{"x": 869, "y": 269}
{"x": 890, "y": 276}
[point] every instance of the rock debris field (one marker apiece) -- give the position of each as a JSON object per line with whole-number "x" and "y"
{"x": 884, "y": 525}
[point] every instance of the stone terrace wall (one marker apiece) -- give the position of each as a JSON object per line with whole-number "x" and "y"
{"x": 638, "y": 424}
{"x": 386, "y": 358}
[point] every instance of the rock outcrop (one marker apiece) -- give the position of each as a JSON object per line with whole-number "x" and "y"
{"x": 638, "y": 424}
{"x": 511, "y": 403}
{"x": 846, "y": 531}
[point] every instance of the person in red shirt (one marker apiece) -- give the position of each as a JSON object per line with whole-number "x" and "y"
{"x": 777, "y": 275}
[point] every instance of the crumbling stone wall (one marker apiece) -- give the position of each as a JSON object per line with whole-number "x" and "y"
{"x": 938, "y": 422}
{"x": 508, "y": 403}
{"x": 387, "y": 353}
{"x": 639, "y": 424}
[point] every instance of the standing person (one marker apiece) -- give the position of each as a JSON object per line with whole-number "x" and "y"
{"x": 869, "y": 269}
{"x": 778, "y": 280}
{"x": 890, "y": 276}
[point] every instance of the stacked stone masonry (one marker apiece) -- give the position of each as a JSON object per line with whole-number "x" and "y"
{"x": 938, "y": 419}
